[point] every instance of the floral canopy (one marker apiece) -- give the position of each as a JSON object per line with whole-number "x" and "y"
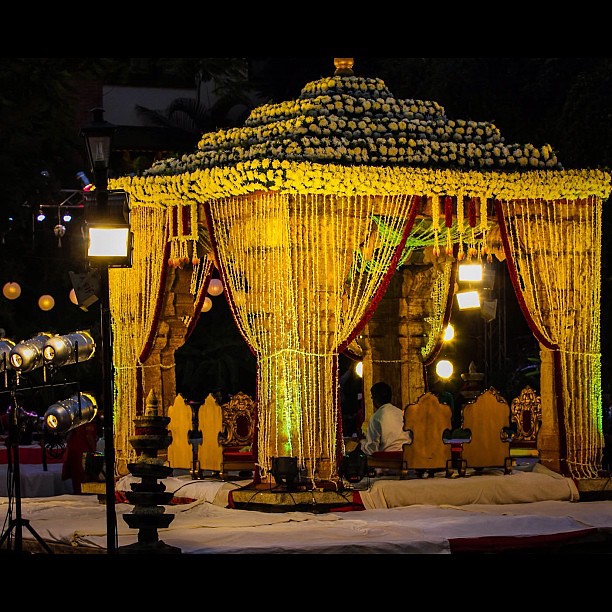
{"x": 308, "y": 209}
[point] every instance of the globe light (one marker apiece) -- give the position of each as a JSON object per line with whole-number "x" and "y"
{"x": 444, "y": 369}
{"x": 359, "y": 369}
{"x": 11, "y": 291}
{"x": 449, "y": 333}
{"x": 207, "y": 305}
{"x": 73, "y": 297}
{"x": 215, "y": 287}
{"x": 46, "y": 302}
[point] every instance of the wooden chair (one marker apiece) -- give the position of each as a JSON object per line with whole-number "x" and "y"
{"x": 237, "y": 434}
{"x": 429, "y": 421}
{"x": 525, "y": 419}
{"x": 209, "y": 416}
{"x": 487, "y": 418}
{"x": 227, "y": 435}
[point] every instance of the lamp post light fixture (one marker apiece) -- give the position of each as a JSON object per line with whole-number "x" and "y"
{"x": 103, "y": 219}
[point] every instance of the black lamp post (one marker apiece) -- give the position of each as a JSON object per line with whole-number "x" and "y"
{"x": 105, "y": 222}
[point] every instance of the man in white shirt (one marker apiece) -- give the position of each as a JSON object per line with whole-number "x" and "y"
{"x": 386, "y": 427}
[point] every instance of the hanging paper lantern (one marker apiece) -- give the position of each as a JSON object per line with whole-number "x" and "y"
{"x": 73, "y": 298}
{"x": 215, "y": 287}
{"x": 46, "y": 302}
{"x": 207, "y": 304}
{"x": 11, "y": 291}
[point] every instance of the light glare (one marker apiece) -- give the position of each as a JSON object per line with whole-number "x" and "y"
{"x": 108, "y": 242}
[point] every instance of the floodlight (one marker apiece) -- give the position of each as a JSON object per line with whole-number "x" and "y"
{"x": 109, "y": 239}
{"x": 468, "y": 299}
{"x": 470, "y": 272}
{"x": 6, "y": 346}
{"x": 28, "y": 354}
{"x": 71, "y": 348}
{"x": 70, "y": 413}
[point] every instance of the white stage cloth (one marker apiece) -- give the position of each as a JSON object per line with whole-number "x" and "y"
{"x": 205, "y": 528}
{"x": 36, "y": 482}
{"x": 489, "y": 487}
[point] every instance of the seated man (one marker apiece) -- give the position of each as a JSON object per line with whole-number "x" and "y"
{"x": 386, "y": 427}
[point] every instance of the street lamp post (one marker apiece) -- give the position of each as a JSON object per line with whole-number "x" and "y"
{"x": 109, "y": 245}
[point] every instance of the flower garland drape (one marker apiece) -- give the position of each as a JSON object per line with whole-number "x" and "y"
{"x": 553, "y": 250}
{"x": 298, "y": 291}
{"x": 163, "y": 237}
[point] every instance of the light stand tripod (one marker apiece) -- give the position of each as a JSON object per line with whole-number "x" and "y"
{"x": 17, "y": 523}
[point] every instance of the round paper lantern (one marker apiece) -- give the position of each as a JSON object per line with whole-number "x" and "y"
{"x": 207, "y": 304}
{"x": 73, "y": 297}
{"x": 215, "y": 287}
{"x": 46, "y": 302}
{"x": 11, "y": 291}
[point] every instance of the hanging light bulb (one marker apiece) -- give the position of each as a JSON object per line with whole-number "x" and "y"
{"x": 40, "y": 217}
{"x": 11, "y": 291}
{"x": 215, "y": 287}
{"x": 46, "y": 302}
{"x": 207, "y": 304}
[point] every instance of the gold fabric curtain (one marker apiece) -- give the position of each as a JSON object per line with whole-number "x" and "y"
{"x": 298, "y": 281}
{"x": 554, "y": 257}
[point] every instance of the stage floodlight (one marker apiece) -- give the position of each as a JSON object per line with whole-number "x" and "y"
{"x": 6, "y": 346}
{"x": 71, "y": 348}
{"x": 109, "y": 239}
{"x": 468, "y": 299}
{"x": 470, "y": 272}
{"x": 70, "y": 413}
{"x": 28, "y": 354}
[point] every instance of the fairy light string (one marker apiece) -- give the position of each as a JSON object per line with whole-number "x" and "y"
{"x": 297, "y": 296}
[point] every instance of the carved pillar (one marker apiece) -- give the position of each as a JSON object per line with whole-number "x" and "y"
{"x": 158, "y": 370}
{"x": 395, "y": 334}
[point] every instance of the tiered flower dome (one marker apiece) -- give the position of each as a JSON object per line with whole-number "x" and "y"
{"x": 350, "y": 120}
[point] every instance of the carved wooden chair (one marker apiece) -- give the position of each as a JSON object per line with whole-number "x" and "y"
{"x": 227, "y": 433}
{"x": 525, "y": 419}
{"x": 429, "y": 422}
{"x": 237, "y": 434}
{"x": 487, "y": 417}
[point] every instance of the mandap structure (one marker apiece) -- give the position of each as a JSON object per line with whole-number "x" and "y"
{"x": 307, "y": 212}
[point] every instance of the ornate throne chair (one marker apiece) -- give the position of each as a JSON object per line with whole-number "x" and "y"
{"x": 525, "y": 419}
{"x": 237, "y": 434}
